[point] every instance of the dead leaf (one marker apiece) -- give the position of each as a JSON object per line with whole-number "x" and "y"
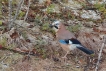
{"x": 14, "y": 35}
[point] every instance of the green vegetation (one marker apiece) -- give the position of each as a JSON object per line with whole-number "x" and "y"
{"x": 101, "y": 8}
{"x": 45, "y": 27}
{"x": 50, "y": 9}
{"x": 74, "y": 28}
{"x": 3, "y": 41}
{"x": 1, "y": 23}
{"x": 21, "y": 14}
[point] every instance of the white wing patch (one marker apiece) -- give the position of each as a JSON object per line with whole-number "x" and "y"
{"x": 70, "y": 42}
{"x": 71, "y": 46}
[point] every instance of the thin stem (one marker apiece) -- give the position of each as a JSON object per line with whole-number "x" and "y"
{"x": 100, "y": 53}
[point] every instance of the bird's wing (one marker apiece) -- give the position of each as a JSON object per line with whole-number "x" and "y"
{"x": 63, "y": 42}
{"x": 76, "y": 44}
{"x": 69, "y": 41}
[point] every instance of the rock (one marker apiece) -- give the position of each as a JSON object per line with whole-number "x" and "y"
{"x": 89, "y": 14}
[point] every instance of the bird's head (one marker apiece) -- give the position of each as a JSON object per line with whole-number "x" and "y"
{"x": 56, "y": 25}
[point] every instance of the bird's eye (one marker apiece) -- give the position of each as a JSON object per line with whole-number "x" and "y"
{"x": 56, "y": 24}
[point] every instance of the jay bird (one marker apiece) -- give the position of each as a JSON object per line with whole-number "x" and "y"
{"x": 67, "y": 39}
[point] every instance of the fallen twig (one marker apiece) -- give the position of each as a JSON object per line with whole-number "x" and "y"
{"x": 20, "y": 52}
{"x": 100, "y": 53}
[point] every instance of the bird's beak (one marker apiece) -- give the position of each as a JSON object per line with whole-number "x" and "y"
{"x": 50, "y": 25}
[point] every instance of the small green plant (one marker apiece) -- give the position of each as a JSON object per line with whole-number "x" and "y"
{"x": 45, "y": 27}
{"x": 11, "y": 46}
{"x": 101, "y": 8}
{"x": 38, "y": 19}
{"x": 21, "y": 14}
{"x": 14, "y": 2}
{"x": 83, "y": 4}
{"x": 50, "y": 9}
{"x": 3, "y": 41}
{"x": 1, "y": 23}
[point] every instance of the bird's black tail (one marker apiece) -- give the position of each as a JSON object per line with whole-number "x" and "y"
{"x": 87, "y": 51}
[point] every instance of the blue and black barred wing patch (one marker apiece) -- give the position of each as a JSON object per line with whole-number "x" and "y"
{"x": 69, "y": 41}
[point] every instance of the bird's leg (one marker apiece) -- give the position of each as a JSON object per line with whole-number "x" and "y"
{"x": 65, "y": 56}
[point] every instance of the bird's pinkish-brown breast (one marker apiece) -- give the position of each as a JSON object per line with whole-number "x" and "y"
{"x": 63, "y": 33}
{"x": 65, "y": 47}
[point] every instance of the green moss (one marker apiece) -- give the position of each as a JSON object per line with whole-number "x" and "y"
{"x": 3, "y": 41}
{"x": 83, "y": 4}
{"x": 0, "y": 22}
{"x": 45, "y": 27}
{"x": 38, "y": 19}
{"x": 74, "y": 28}
{"x": 14, "y": 2}
{"x": 101, "y": 8}
{"x": 11, "y": 46}
{"x": 21, "y": 14}
{"x": 50, "y": 8}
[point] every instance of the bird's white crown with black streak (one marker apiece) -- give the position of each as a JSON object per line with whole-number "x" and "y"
{"x": 56, "y": 25}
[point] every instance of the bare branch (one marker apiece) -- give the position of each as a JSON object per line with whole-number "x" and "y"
{"x": 27, "y": 10}
{"x": 10, "y": 11}
{"x": 100, "y": 53}
{"x": 16, "y": 14}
